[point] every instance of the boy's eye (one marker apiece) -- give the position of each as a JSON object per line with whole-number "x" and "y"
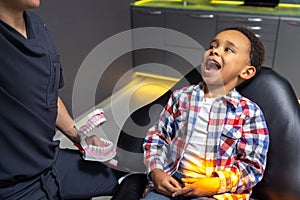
{"x": 212, "y": 47}
{"x": 229, "y": 50}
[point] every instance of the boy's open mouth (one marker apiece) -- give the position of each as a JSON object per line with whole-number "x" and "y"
{"x": 212, "y": 65}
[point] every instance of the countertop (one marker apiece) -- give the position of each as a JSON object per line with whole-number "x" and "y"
{"x": 291, "y": 10}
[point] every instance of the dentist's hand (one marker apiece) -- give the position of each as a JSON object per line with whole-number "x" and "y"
{"x": 94, "y": 140}
{"x": 164, "y": 183}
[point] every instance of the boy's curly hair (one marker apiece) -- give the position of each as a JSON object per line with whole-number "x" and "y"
{"x": 257, "y": 50}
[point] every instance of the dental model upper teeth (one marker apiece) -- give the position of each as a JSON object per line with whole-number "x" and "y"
{"x": 95, "y": 119}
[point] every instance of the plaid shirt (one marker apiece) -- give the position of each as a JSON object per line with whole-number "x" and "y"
{"x": 237, "y": 140}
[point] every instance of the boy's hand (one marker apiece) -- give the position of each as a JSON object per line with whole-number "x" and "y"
{"x": 164, "y": 183}
{"x": 199, "y": 187}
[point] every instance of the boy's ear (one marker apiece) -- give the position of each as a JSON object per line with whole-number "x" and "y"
{"x": 248, "y": 72}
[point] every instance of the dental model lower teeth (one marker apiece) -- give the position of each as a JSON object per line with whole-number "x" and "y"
{"x": 104, "y": 151}
{"x": 95, "y": 118}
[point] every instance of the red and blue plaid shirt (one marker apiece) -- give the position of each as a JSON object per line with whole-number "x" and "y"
{"x": 236, "y": 146}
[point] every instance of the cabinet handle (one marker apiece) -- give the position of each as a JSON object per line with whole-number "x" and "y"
{"x": 155, "y": 12}
{"x": 293, "y": 23}
{"x": 258, "y": 35}
{"x": 254, "y": 28}
{"x": 254, "y": 19}
{"x": 249, "y": 19}
{"x": 202, "y": 16}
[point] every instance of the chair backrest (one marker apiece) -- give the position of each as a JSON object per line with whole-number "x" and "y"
{"x": 276, "y": 98}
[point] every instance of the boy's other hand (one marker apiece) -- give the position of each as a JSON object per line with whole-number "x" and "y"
{"x": 164, "y": 183}
{"x": 199, "y": 187}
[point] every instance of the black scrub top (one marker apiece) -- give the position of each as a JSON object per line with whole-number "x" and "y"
{"x": 30, "y": 76}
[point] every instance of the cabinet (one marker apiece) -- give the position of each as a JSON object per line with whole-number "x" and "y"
{"x": 265, "y": 27}
{"x": 199, "y": 26}
{"x": 280, "y": 35}
{"x": 146, "y": 58}
{"x": 287, "y": 51}
{"x": 181, "y": 44}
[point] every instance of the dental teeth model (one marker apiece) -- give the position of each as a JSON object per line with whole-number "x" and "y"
{"x": 95, "y": 149}
{"x": 95, "y": 118}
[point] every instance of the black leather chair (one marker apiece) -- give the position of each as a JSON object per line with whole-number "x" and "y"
{"x": 276, "y": 98}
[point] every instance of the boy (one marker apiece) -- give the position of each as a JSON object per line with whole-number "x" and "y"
{"x": 209, "y": 141}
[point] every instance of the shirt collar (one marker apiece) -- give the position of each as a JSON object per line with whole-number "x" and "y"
{"x": 233, "y": 97}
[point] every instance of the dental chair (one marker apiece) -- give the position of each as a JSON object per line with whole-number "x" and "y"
{"x": 276, "y": 98}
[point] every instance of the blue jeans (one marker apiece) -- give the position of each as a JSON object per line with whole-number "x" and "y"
{"x": 153, "y": 195}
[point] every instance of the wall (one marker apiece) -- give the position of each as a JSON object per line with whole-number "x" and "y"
{"x": 77, "y": 27}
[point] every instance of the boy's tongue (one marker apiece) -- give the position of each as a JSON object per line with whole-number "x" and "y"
{"x": 212, "y": 66}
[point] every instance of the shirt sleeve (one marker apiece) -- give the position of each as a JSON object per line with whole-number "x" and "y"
{"x": 159, "y": 137}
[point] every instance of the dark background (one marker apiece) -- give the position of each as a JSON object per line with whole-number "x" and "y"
{"x": 77, "y": 27}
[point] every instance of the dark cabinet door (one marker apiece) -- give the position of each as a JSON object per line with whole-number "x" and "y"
{"x": 148, "y": 39}
{"x": 197, "y": 29}
{"x": 287, "y": 51}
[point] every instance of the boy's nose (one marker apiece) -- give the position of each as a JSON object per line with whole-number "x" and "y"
{"x": 214, "y": 52}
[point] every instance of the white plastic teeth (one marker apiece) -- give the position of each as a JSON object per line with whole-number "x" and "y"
{"x": 101, "y": 153}
{"x": 95, "y": 119}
